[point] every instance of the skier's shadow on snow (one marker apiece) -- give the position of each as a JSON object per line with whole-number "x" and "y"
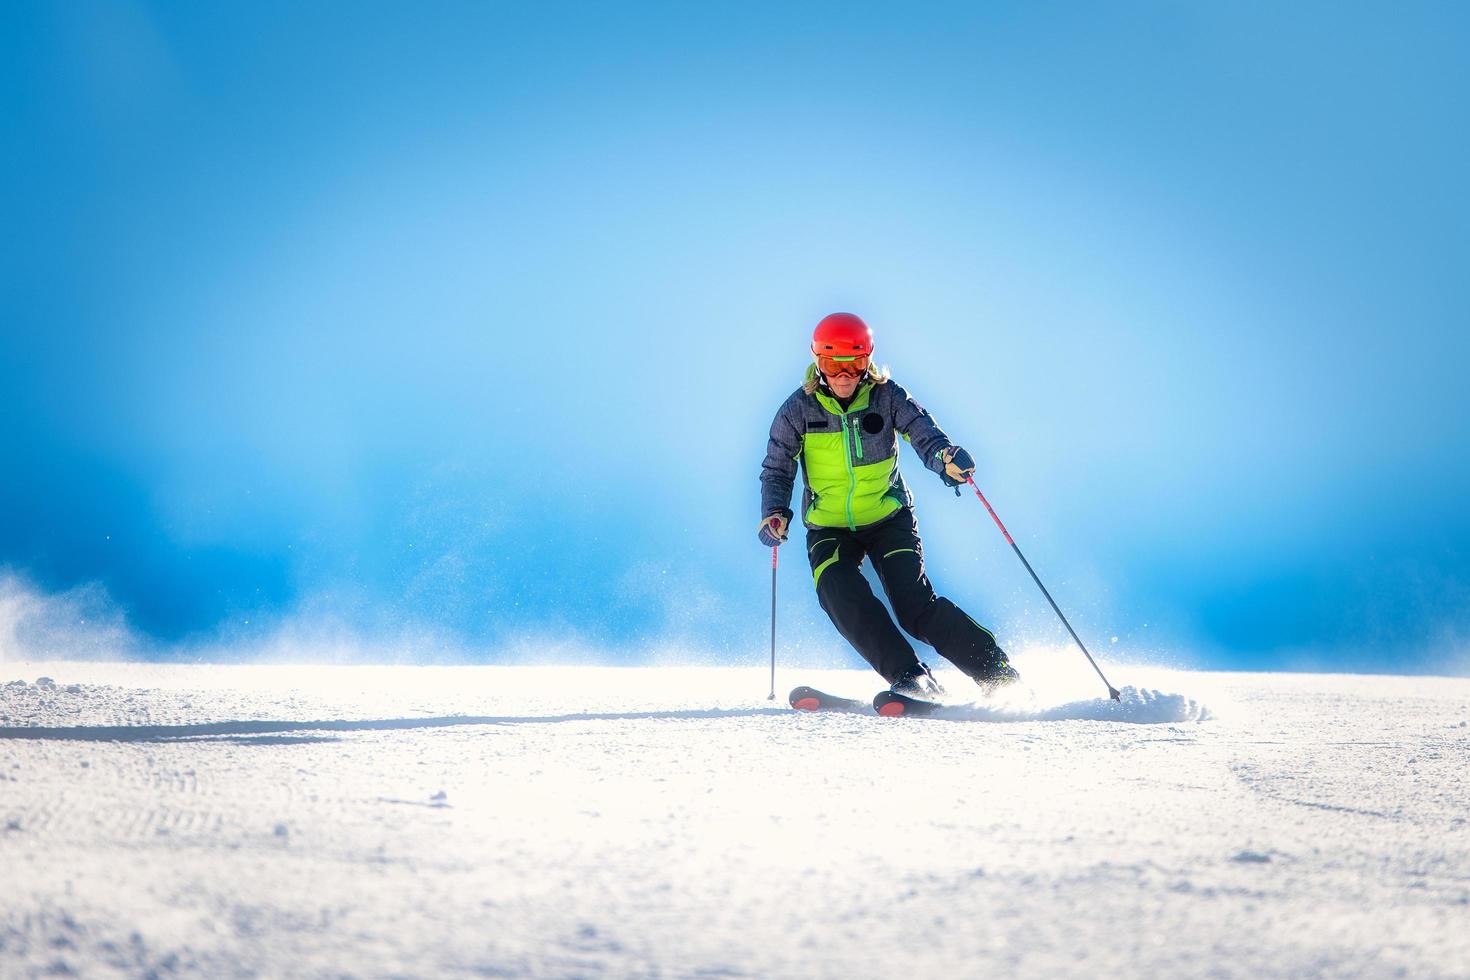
{"x": 272, "y": 732}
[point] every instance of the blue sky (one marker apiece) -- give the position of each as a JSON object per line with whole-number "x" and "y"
{"x": 471, "y": 318}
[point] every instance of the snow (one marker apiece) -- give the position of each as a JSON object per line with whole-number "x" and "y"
{"x": 1141, "y": 706}
{"x": 582, "y": 822}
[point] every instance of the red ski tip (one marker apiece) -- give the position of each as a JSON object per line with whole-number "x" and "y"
{"x": 807, "y": 704}
{"x": 892, "y": 709}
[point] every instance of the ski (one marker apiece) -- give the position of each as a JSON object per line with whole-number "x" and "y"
{"x": 811, "y": 699}
{"x": 891, "y": 705}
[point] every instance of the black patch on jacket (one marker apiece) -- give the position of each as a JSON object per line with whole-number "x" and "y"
{"x": 821, "y": 423}
{"x": 872, "y": 423}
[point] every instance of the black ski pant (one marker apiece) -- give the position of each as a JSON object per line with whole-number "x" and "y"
{"x": 893, "y": 544}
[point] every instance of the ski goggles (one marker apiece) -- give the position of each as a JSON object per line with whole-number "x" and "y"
{"x": 853, "y": 366}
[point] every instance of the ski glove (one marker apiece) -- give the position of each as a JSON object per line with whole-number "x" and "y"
{"x": 772, "y": 530}
{"x": 957, "y": 466}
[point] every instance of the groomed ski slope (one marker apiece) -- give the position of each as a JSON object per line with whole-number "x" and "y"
{"x": 639, "y": 822}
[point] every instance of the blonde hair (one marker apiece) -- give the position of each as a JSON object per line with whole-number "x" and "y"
{"x": 876, "y": 375}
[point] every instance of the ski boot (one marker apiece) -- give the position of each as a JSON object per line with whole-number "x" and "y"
{"x": 918, "y": 682}
{"x": 999, "y": 676}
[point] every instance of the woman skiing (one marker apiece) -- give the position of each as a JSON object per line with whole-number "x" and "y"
{"x": 843, "y": 424}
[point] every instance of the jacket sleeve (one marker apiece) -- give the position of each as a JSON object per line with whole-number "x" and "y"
{"x": 919, "y": 428}
{"x": 778, "y": 472}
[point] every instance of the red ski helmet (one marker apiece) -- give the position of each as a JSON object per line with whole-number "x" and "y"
{"x": 842, "y": 335}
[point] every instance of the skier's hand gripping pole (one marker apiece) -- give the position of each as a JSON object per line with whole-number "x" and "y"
{"x": 772, "y": 530}
{"x": 1112, "y": 691}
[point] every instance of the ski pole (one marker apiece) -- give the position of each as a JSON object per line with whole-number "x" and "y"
{"x": 772, "y": 695}
{"x": 1112, "y": 691}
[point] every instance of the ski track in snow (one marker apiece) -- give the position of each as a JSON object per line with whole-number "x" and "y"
{"x": 584, "y": 822}
{"x": 1138, "y": 706}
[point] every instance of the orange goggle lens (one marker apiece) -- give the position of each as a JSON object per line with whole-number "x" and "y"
{"x": 854, "y": 366}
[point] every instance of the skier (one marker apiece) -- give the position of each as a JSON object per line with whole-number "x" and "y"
{"x": 843, "y": 423}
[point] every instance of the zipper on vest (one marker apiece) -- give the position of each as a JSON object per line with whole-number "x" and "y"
{"x": 851, "y": 475}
